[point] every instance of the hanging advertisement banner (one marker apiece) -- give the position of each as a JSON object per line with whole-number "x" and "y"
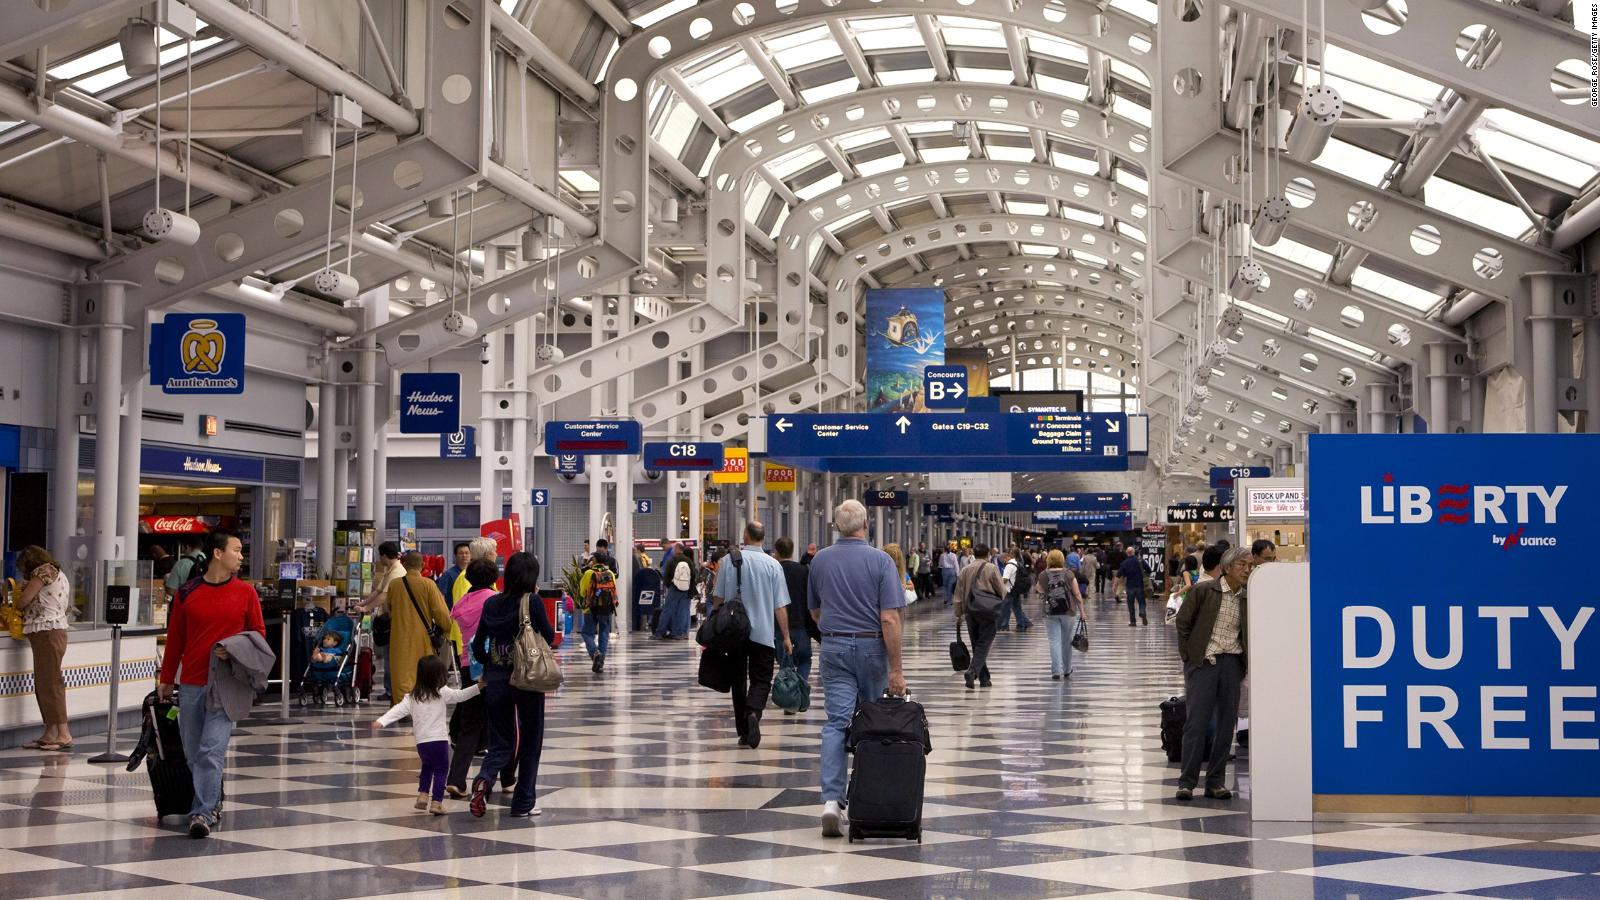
{"x": 905, "y": 334}
{"x": 735, "y": 466}
{"x": 408, "y": 529}
{"x": 778, "y": 478}
{"x": 430, "y": 402}
{"x": 977, "y": 365}
{"x": 1461, "y": 658}
{"x": 198, "y": 353}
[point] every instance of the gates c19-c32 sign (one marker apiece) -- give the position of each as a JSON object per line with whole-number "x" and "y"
{"x": 1454, "y": 647}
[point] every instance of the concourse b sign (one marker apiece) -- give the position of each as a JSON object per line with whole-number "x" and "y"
{"x": 944, "y": 387}
{"x": 1454, "y": 644}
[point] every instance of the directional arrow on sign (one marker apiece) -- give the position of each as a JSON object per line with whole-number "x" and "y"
{"x": 1114, "y": 426}
{"x": 1038, "y": 497}
{"x": 956, "y": 390}
{"x": 784, "y": 425}
{"x": 903, "y": 422}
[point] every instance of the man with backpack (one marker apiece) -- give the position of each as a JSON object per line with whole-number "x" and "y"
{"x": 680, "y": 575}
{"x": 191, "y": 564}
{"x": 751, "y": 577}
{"x": 1017, "y": 573}
{"x": 597, "y": 598}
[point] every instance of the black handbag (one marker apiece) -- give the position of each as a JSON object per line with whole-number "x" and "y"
{"x": 1080, "y": 637}
{"x": 960, "y": 656}
{"x": 716, "y": 670}
{"x": 727, "y": 628}
{"x": 435, "y": 633}
{"x": 984, "y": 603}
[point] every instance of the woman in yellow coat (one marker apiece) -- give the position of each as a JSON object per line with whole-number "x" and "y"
{"x": 414, "y": 604}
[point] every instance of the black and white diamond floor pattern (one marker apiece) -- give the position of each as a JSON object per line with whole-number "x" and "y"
{"x": 1035, "y": 789}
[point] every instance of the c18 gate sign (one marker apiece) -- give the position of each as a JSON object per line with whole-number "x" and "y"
{"x": 1454, "y": 647}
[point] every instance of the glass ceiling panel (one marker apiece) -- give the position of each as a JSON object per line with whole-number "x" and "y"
{"x": 1076, "y": 164}
{"x": 1344, "y": 342}
{"x": 944, "y": 154}
{"x": 984, "y": 76}
{"x": 665, "y": 10}
{"x": 963, "y": 32}
{"x": 871, "y": 167}
{"x": 1516, "y": 140}
{"x": 1476, "y": 206}
{"x": 828, "y": 91}
{"x": 764, "y": 114}
{"x": 1130, "y": 180}
{"x": 109, "y": 58}
{"x": 1144, "y": 9}
{"x": 1062, "y": 87}
{"x": 1296, "y": 252}
{"x": 1122, "y": 106}
{"x": 1348, "y": 159}
{"x": 819, "y": 187}
{"x": 1394, "y": 289}
{"x": 862, "y": 138}
{"x": 804, "y": 47}
{"x": 1129, "y": 73}
{"x": 906, "y": 76}
{"x": 1009, "y": 154}
{"x": 886, "y": 33}
{"x": 728, "y": 74}
{"x": 1050, "y": 45}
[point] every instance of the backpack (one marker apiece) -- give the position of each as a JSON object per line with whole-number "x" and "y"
{"x": 1022, "y": 582}
{"x": 600, "y": 592}
{"x": 683, "y": 575}
{"x": 1057, "y": 596}
{"x": 727, "y": 628}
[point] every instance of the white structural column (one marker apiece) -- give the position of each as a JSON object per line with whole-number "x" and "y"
{"x": 697, "y": 480}
{"x": 624, "y": 469}
{"x": 64, "y": 487}
{"x": 341, "y": 455}
{"x": 128, "y": 454}
{"x": 492, "y": 355}
{"x": 1543, "y": 416}
{"x": 521, "y": 421}
{"x": 327, "y": 436}
{"x": 1379, "y": 420}
{"x": 597, "y": 407}
{"x": 1591, "y": 373}
{"x": 108, "y": 420}
{"x": 1334, "y": 423}
{"x": 828, "y": 506}
{"x": 366, "y": 422}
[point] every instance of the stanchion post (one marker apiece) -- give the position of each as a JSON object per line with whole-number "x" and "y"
{"x": 283, "y": 662}
{"x": 111, "y": 755}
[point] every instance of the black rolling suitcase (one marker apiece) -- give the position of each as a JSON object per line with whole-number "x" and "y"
{"x": 890, "y": 740}
{"x": 1174, "y": 712}
{"x": 160, "y": 748}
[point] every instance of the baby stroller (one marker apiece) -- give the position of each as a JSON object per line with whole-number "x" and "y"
{"x": 337, "y": 675}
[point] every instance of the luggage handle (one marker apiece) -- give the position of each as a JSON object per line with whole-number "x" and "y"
{"x": 889, "y": 696}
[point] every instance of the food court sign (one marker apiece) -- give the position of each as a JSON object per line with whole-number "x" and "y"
{"x": 1460, "y": 656}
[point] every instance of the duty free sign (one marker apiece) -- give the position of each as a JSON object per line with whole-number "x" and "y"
{"x": 1454, "y": 647}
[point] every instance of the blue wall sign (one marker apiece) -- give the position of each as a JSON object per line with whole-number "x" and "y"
{"x": 682, "y": 456}
{"x": 1024, "y": 501}
{"x": 889, "y": 499}
{"x": 541, "y": 497}
{"x": 642, "y": 507}
{"x": 462, "y": 444}
{"x": 944, "y": 387}
{"x": 430, "y": 402}
{"x": 1465, "y": 665}
{"x": 198, "y": 353}
{"x": 593, "y": 437}
{"x": 951, "y": 442}
{"x": 1085, "y": 521}
{"x": 200, "y": 464}
{"x": 938, "y": 509}
{"x": 1223, "y": 476}
{"x": 568, "y": 464}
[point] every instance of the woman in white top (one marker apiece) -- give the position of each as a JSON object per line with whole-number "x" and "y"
{"x": 46, "y": 598}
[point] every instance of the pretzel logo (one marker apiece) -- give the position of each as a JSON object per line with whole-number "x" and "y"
{"x": 203, "y": 348}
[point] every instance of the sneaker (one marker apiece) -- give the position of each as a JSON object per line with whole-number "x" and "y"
{"x": 199, "y": 827}
{"x": 422, "y": 802}
{"x": 1185, "y": 794}
{"x": 1219, "y": 794}
{"x": 599, "y": 662}
{"x": 1055, "y": 677}
{"x": 753, "y": 730}
{"x": 436, "y": 807}
{"x": 1143, "y": 621}
{"x": 480, "y": 798}
{"x": 534, "y": 813}
{"x": 454, "y": 792}
{"x": 832, "y": 818}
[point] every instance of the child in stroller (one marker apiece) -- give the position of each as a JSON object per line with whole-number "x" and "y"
{"x": 332, "y": 666}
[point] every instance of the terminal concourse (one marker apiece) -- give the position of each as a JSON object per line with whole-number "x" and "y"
{"x": 810, "y": 448}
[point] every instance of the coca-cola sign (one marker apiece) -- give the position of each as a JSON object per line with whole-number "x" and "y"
{"x": 180, "y": 524}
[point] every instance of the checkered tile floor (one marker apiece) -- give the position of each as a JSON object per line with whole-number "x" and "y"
{"x": 1035, "y": 789}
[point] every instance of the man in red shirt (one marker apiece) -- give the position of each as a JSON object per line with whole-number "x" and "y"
{"x": 205, "y": 613}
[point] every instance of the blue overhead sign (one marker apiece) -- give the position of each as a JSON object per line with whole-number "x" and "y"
{"x": 1085, "y": 521}
{"x": 568, "y": 464}
{"x": 200, "y": 464}
{"x": 643, "y": 507}
{"x": 952, "y": 442}
{"x": 890, "y": 499}
{"x": 430, "y": 402}
{"x": 541, "y": 497}
{"x": 593, "y": 437}
{"x": 198, "y": 353}
{"x": 1475, "y": 675}
{"x": 682, "y": 456}
{"x": 938, "y": 509}
{"x": 462, "y": 444}
{"x": 944, "y": 387}
{"x": 1223, "y": 476}
{"x": 1025, "y": 501}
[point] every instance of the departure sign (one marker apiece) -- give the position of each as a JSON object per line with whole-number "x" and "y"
{"x": 594, "y": 437}
{"x": 682, "y": 456}
{"x": 890, "y": 499}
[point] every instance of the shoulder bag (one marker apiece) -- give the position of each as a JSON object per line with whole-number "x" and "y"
{"x": 960, "y": 656}
{"x": 534, "y": 666}
{"x": 435, "y": 634}
{"x": 982, "y": 602}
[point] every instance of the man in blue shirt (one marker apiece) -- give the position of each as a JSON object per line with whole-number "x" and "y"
{"x": 856, "y": 598}
{"x": 1132, "y": 572}
{"x": 752, "y": 577}
{"x": 447, "y": 579}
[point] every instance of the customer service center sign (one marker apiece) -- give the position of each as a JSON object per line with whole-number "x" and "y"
{"x": 1454, "y": 647}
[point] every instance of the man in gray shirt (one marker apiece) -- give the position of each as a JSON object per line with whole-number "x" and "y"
{"x": 755, "y": 579}
{"x": 856, "y": 597}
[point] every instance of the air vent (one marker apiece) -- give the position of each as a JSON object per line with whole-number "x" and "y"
{"x": 86, "y": 447}
{"x": 282, "y": 471}
{"x": 158, "y": 415}
{"x": 268, "y": 430}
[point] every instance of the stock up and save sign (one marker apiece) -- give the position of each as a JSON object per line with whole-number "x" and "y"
{"x": 1454, "y": 647}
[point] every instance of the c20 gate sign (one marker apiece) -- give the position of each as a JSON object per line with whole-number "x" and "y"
{"x": 1454, "y": 644}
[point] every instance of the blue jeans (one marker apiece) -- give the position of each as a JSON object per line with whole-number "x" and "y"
{"x": 1013, "y": 604}
{"x": 949, "y": 578}
{"x": 1135, "y": 598}
{"x": 594, "y": 623}
{"x": 1061, "y": 629}
{"x": 854, "y": 670}
{"x": 674, "y": 615}
{"x": 205, "y": 743}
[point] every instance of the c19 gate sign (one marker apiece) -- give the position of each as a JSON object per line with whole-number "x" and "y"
{"x": 1454, "y": 644}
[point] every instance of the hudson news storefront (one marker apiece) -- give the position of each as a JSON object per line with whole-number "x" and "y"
{"x": 186, "y": 491}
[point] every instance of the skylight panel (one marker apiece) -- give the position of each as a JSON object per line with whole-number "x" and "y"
{"x": 1128, "y": 109}
{"x": 796, "y": 162}
{"x": 1128, "y": 179}
{"x": 819, "y": 187}
{"x": 1372, "y": 82}
{"x": 870, "y": 167}
{"x": 1026, "y": 208}
{"x": 1040, "y": 249}
{"x": 802, "y": 48}
{"x": 665, "y": 10}
{"x": 886, "y": 33}
{"x": 906, "y": 76}
{"x": 1129, "y": 73}
{"x": 1050, "y": 45}
{"x": 579, "y": 181}
{"x": 764, "y": 114}
{"x": 1126, "y": 230}
{"x": 1143, "y": 9}
{"x": 109, "y": 58}
{"x": 677, "y": 126}
{"x": 723, "y": 77}
{"x": 1003, "y": 153}
{"x": 862, "y": 138}
{"x": 1476, "y": 206}
{"x": 1340, "y": 341}
{"x": 1004, "y": 126}
{"x": 1394, "y": 289}
{"x": 830, "y": 90}
{"x": 916, "y": 128}
{"x": 1518, "y": 141}
{"x": 1299, "y": 253}
{"x": 757, "y": 200}
{"x": 984, "y": 76}
{"x": 944, "y": 154}
{"x": 1348, "y": 159}
{"x": 1062, "y": 87}
{"x": 1073, "y": 163}
{"x": 1072, "y": 213}
{"x": 959, "y": 31}
{"x": 1262, "y": 311}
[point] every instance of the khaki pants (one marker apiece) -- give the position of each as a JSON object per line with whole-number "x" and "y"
{"x": 48, "y": 686}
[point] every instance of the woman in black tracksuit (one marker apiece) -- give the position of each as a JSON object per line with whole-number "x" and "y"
{"x": 516, "y": 717}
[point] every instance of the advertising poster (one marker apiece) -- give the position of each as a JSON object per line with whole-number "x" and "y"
{"x": 977, "y": 363}
{"x": 198, "y": 353}
{"x": 905, "y": 334}
{"x": 1462, "y": 656}
{"x": 408, "y": 529}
